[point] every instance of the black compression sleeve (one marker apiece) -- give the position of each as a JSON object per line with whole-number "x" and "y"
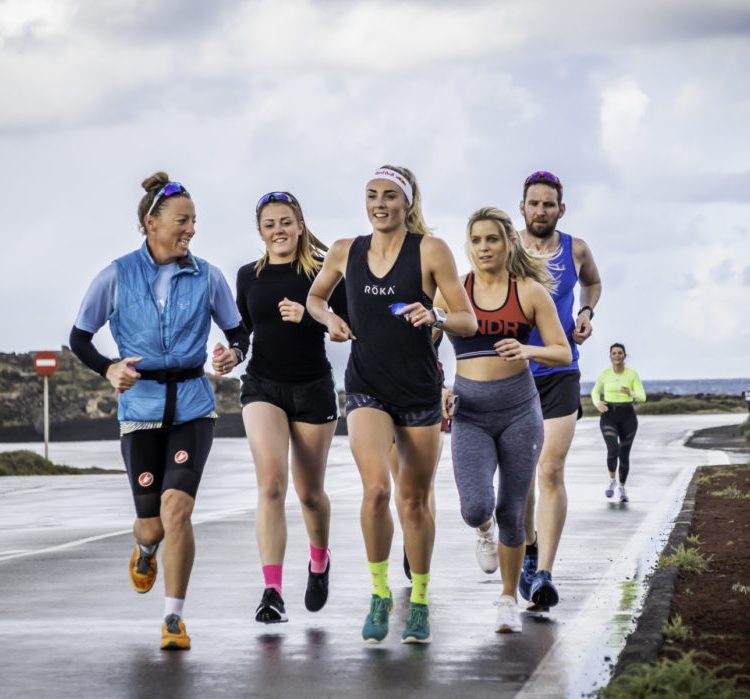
{"x": 238, "y": 338}
{"x": 83, "y": 348}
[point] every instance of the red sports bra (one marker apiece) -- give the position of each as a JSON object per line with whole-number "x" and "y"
{"x": 507, "y": 321}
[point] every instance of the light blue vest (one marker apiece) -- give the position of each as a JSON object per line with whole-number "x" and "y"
{"x": 174, "y": 339}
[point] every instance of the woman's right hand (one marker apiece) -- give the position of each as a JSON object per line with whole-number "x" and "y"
{"x": 447, "y": 403}
{"x": 602, "y": 407}
{"x": 121, "y": 376}
{"x": 338, "y": 330}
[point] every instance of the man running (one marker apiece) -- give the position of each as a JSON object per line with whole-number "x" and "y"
{"x": 559, "y": 389}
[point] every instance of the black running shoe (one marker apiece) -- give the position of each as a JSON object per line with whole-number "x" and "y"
{"x": 316, "y": 594}
{"x": 271, "y": 608}
{"x": 407, "y": 567}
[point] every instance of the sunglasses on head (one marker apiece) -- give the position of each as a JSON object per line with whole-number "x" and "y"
{"x": 274, "y": 197}
{"x": 168, "y": 190}
{"x": 543, "y": 177}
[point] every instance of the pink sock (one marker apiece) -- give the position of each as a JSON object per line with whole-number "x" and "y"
{"x": 272, "y": 576}
{"x": 318, "y": 559}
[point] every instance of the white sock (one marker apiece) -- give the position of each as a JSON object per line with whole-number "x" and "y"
{"x": 173, "y": 605}
{"x": 148, "y": 550}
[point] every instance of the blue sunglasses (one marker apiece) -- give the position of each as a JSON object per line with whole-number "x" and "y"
{"x": 168, "y": 190}
{"x": 272, "y": 197}
{"x": 543, "y": 177}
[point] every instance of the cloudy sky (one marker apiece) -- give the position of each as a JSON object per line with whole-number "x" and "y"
{"x": 641, "y": 108}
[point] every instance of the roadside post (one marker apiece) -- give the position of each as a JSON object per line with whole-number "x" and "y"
{"x": 45, "y": 364}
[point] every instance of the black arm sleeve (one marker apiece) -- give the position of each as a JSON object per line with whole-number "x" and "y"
{"x": 238, "y": 338}
{"x": 83, "y": 348}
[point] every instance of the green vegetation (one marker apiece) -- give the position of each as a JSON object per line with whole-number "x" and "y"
{"x": 684, "y": 678}
{"x": 687, "y": 559}
{"x": 671, "y": 404}
{"x": 693, "y": 540}
{"x": 706, "y": 478}
{"x": 739, "y": 587}
{"x": 29, "y": 463}
{"x": 732, "y": 492}
{"x": 629, "y": 593}
{"x": 744, "y": 429}
{"x": 675, "y": 630}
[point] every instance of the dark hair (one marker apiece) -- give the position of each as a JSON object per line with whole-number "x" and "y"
{"x": 620, "y": 345}
{"x": 152, "y": 185}
{"x": 548, "y": 183}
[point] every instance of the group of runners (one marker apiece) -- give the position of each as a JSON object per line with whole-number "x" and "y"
{"x": 515, "y": 330}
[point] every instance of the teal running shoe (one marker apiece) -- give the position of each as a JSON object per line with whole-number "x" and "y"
{"x": 375, "y": 628}
{"x": 417, "y": 629}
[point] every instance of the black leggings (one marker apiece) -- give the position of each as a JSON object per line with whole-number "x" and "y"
{"x": 619, "y": 425}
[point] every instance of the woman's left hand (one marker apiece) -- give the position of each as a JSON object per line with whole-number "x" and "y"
{"x": 511, "y": 350}
{"x": 417, "y": 315}
{"x": 625, "y": 390}
{"x": 223, "y": 359}
{"x": 291, "y": 311}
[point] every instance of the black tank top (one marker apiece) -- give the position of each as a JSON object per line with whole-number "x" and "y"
{"x": 390, "y": 360}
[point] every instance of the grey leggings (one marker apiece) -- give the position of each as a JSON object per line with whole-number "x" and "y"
{"x": 497, "y": 424}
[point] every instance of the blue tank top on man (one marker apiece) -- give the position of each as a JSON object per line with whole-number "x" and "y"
{"x": 563, "y": 269}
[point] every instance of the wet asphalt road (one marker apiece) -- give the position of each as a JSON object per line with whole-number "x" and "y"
{"x": 71, "y": 626}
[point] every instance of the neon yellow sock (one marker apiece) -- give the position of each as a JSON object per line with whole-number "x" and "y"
{"x": 419, "y": 584}
{"x": 379, "y": 574}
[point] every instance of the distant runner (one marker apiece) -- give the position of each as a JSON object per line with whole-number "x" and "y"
{"x": 393, "y": 383}
{"x": 288, "y": 395}
{"x": 159, "y": 301}
{"x": 559, "y": 388}
{"x": 620, "y": 388}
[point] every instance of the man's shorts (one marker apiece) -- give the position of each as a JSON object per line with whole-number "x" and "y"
{"x": 166, "y": 458}
{"x": 560, "y": 393}
{"x": 420, "y": 416}
{"x": 314, "y": 402}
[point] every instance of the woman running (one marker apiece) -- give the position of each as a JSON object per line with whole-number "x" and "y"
{"x": 288, "y": 395}
{"x": 497, "y": 419}
{"x": 392, "y": 378}
{"x": 618, "y": 421}
{"x": 159, "y": 301}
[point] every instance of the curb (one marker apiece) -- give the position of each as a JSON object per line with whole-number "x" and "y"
{"x": 644, "y": 643}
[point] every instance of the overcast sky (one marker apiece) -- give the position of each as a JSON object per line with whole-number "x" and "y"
{"x": 641, "y": 108}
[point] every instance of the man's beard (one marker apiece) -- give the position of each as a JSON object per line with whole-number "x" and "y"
{"x": 542, "y": 233}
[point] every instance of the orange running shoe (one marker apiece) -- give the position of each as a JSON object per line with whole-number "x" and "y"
{"x": 173, "y": 634}
{"x": 142, "y": 570}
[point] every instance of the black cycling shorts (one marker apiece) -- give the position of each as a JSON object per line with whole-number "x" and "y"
{"x": 560, "y": 393}
{"x": 314, "y": 402}
{"x": 167, "y": 457}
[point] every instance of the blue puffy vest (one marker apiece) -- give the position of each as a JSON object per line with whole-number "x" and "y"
{"x": 174, "y": 339}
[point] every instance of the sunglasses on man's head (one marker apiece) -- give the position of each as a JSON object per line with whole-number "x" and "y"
{"x": 272, "y": 197}
{"x": 168, "y": 190}
{"x": 543, "y": 177}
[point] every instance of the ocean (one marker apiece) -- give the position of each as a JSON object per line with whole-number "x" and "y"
{"x": 682, "y": 387}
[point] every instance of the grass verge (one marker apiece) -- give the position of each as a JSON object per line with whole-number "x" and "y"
{"x": 28, "y": 463}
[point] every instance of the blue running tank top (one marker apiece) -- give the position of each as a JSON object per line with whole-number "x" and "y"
{"x": 563, "y": 269}
{"x": 390, "y": 360}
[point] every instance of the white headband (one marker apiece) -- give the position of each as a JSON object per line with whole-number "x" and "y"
{"x": 397, "y": 178}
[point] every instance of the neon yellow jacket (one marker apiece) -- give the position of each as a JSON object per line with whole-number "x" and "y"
{"x": 611, "y": 384}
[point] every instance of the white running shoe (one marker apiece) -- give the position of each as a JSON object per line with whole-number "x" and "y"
{"x": 610, "y": 491}
{"x": 508, "y": 619}
{"x": 487, "y": 548}
{"x": 622, "y": 494}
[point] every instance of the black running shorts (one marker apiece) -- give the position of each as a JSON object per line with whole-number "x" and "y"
{"x": 560, "y": 393}
{"x": 314, "y": 402}
{"x": 419, "y": 416}
{"x": 167, "y": 457}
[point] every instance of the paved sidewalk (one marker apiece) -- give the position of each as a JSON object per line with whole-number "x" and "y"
{"x": 70, "y": 626}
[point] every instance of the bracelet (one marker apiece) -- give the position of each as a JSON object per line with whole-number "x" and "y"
{"x": 587, "y": 308}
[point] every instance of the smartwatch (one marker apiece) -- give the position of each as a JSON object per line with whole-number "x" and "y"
{"x": 440, "y": 317}
{"x": 586, "y": 308}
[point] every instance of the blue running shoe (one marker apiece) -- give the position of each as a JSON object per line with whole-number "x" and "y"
{"x": 543, "y": 591}
{"x": 417, "y": 629}
{"x": 375, "y": 628}
{"x": 528, "y": 571}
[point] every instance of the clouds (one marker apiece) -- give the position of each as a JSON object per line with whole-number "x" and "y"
{"x": 642, "y": 110}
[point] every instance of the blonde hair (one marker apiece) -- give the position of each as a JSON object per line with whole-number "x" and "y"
{"x": 519, "y": 261}
{"x": 310, "y": 250}
{"x": 414, "y": 217}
